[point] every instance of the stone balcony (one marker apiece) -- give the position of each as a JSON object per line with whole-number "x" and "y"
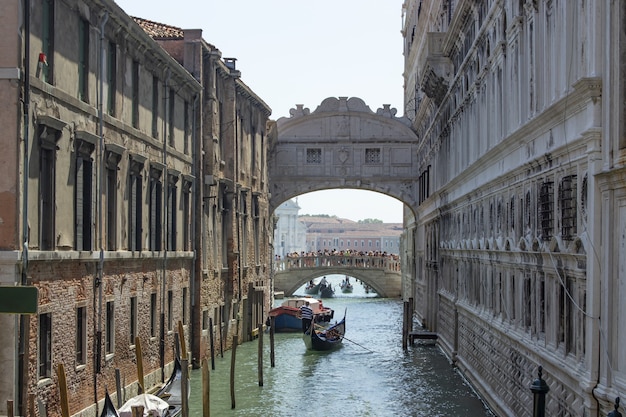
{"x": 434, "y": 68}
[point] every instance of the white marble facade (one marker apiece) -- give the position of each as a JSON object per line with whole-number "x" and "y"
{"x": 520, "y": 233}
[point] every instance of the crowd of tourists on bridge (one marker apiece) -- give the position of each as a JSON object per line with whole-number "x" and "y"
{"x": 346, "y": 258}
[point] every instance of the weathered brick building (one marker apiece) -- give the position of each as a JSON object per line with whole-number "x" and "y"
{"x": 233, "y": 260}
{"x": 109, "y": 208}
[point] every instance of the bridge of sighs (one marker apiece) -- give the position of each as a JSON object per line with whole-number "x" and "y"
{"x": 344, "y": 144}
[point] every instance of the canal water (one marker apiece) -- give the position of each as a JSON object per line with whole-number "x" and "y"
{"x": 370, "y": 375}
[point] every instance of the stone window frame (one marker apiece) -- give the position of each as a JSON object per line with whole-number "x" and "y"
{"x": 186, "y": 196}
{"x": 84, "y": 190}
{"x": 112, "y": 156}
{"x": 44, "y": 339}
{"x": 172, "y": 209}
{"x": 135, "y": 202}
{"x": 49, "y": 133}
{"x": 133, "y": 320}
{"x": 155, "y": 207}
{"x": 154, "y": 313}
{"x": 81, "y": 335}
{"x": 373, "y": 156}
{"x": 109, "y": 334}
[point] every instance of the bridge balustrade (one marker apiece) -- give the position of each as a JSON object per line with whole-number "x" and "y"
{"x": 387, "y": 263}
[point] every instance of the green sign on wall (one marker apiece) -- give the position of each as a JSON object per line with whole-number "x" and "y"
{"x": 18, "y": 300}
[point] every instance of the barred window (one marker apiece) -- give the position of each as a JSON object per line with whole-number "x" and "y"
{"x": 546, "y": 202}
{"x": 583, "y": 200}
{"x": 45, "y": 345}
{"x": 512, "y": 213}
{"x": 567, "y": 197}
{"x": 372, "y": 156}
{"x": 314, "y": 156}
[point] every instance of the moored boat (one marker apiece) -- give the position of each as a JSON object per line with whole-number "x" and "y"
{"x": 287, "y": 315}
{"x": 325, "y": 338}
{"x": 109, "y": 409}
{"x": 166, "y": 402}
{"x": 172, "y": 391}
{"x": 326, "y": 291}
{"x": 152, "y": 406}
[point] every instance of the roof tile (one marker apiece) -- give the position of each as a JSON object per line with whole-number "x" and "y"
{"x": 159, "y": 30}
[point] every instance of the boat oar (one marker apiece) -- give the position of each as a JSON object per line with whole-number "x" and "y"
{"x": 345, "y": 338}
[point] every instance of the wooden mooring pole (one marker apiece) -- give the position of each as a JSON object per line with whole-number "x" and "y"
{"x": 118, "y": 387}
{"x": 272, "y": 356}
{"x": 184, "y": 386}
{"x": 65, "y": 405}
{"x": 139, "y": 356}
{"x": 212, "y": 343}
{"x": 410, "y": 314}
{"x": 181, "y": 340}
{"x": 260, "y": 354}
{"x": 232, "y": 372}
{"x": 206, "y": 390}
{"x": 405, "y": 326}
{"x": 31, "y": 405}
{"x": 9, "y": 408}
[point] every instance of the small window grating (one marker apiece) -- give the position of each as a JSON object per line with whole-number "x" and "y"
{"x": 567, "y": 197}
{"x": 314, "y": 156}
{"x": 372, "y": 156}
{"x": 546, "y": 203}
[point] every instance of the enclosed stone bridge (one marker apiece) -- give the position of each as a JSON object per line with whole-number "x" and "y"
{"x": 382, "y": 273}
{"x": 344, "y": 144}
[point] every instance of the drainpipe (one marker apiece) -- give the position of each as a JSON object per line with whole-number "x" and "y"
{"x": 197, "y": 217}
{"x": 24, "y": 320}
{"x": 100, "y": 187}
{"x": 164, "y": 192}
{"x": 237, "y": 200}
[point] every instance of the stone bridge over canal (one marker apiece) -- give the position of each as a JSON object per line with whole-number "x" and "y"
{"x": 381, "y": 273}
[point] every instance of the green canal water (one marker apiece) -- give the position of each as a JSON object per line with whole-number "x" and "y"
{"x": 370, "y": 375}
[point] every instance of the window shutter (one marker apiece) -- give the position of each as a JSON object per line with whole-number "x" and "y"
{"x": 78, "y": 215}
{"x": 153, "y": 213}
{"x": 133, "y": 213}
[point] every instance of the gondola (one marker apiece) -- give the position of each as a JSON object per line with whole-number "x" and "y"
{"x": 166, "y": 402}
{"x": 172, "y": 390}
{"x": 312, "y": 288}
{"x": 326, "y": 291}
{"x": 109, "y": 409}
{"x": 345, "y": 286}
{"x": 325, "y": 338}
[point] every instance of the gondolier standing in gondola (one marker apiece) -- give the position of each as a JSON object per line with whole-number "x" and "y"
{"x": 306, "y": 314}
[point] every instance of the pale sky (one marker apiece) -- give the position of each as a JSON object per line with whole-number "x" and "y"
{"x": 352, "y": 204}
{"x": 300, "y": 52}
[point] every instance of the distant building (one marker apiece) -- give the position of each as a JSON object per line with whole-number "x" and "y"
{"x": 290, "y": 232}
{"x": 330, "y": 233}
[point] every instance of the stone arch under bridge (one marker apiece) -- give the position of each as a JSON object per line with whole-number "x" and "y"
{"x": 385, "y": 283}
{"x": 343, "y": 144}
